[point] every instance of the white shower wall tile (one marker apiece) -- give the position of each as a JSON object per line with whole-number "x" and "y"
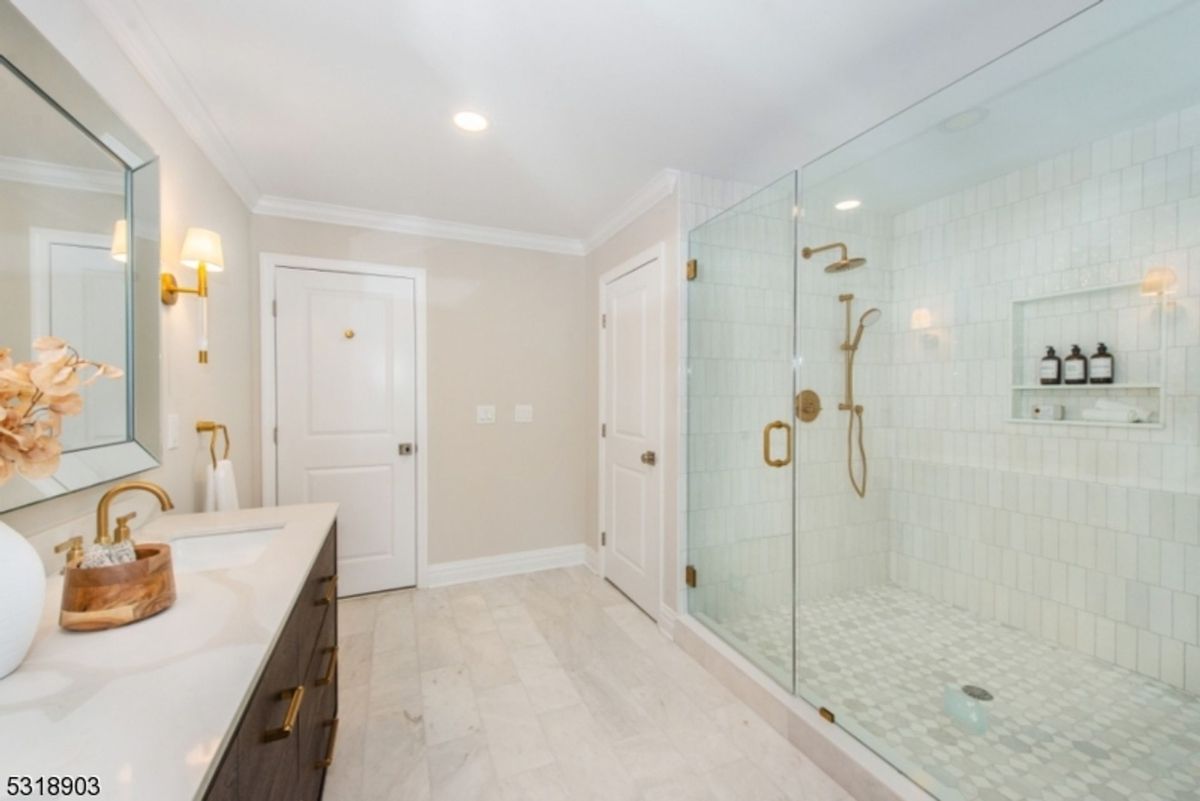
{"x": 1083, "y": 536}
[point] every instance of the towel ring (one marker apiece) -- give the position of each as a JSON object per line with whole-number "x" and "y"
{"x": 208, "y": 426}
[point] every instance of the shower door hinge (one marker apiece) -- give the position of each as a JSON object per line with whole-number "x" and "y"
{"x": 603, "y": 538}
{"x": 827, "y": 714}
{"x": 691, "y": 269}
{"x": 604, "y": 321}
{"x": 604, "y": 429}
{"x": 689, "y": 576}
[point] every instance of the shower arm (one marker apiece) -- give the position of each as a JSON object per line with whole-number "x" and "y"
{"x": 808, "y": 253}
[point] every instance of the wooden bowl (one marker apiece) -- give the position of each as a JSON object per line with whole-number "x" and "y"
{"x": 117, "y": 595}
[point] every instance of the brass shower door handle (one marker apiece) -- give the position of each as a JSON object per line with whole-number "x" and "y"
{"x": 771, "y": 426}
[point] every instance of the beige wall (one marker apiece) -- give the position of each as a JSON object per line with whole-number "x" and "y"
{"x": 506, "y": 326}
{"x": 658, "y": 225}
{"x": 193, "y": 193}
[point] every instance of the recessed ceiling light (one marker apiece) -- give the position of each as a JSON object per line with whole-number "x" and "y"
{"x": 470, "y": 121}
{"x": 964, "y": 120}
{"x": 849, "y": 204}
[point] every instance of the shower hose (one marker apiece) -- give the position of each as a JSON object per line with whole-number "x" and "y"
{"x": 861, "y": 489}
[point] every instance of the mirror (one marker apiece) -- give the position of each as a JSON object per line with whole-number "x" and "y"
{"x": 78, "y": 262}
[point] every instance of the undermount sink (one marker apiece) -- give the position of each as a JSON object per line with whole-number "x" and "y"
{"x": 196, "y": 553}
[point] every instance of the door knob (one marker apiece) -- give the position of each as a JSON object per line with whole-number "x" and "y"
{"x": 406, "y": 448}
{"x": 649, "y": 458}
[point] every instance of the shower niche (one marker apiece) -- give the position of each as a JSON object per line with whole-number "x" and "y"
{"x": 1133, "y": 326}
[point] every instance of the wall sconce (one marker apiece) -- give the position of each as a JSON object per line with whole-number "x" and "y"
{"x": 1158, "y": 281}
{"x": 201, "y": 252}
{"x": 120, "y": 241}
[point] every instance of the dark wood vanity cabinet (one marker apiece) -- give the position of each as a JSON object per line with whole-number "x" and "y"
{"x": 286, "y": 737}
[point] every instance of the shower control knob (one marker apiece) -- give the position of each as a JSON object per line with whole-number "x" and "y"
{"x": 808, "y": 406}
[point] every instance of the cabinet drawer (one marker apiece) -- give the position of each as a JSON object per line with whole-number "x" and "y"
{"x": 318, "y": 596}
{"x": 267, "y": 751}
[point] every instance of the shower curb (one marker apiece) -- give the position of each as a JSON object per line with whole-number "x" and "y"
{"x": 860, "y": 771}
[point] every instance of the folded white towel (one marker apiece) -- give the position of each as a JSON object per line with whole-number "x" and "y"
{"x": 1111, "y": 415}
{"x": 1115, "y": 406}
{"x": 225, "y": 486}
{"x": 210, "y": 489}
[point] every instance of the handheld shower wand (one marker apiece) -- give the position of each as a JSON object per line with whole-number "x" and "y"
{"x": 850, "y": 348}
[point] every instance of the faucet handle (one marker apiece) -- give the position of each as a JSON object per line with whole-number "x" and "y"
{"x": 123, "y": 534}
{"x": 73, "y": 547}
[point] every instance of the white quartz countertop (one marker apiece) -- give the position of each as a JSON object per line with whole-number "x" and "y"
{"x": 147, "y": 708}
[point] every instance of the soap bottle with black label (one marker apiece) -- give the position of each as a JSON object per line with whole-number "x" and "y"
{"x": 1102, "y": 367}
{"x": 1075, "y": 367}
{"x": 1050, "y": 371}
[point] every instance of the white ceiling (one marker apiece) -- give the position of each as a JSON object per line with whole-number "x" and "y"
{"x": 349, "y": 103}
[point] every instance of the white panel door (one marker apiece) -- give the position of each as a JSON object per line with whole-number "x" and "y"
{"x": 632, "y": 415}
{"x": 346, "y": 411}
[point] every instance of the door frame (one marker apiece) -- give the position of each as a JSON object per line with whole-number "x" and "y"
{"x": 666, "y": 448}
{"x": 267, "y": 265}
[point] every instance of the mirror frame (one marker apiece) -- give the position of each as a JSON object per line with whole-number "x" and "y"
{"x": 32, "y": 59}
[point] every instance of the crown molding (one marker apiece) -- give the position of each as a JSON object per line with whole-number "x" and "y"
{"x": 313, "y": 211}
{"x": 61, "y": 176}
{"x": 660, "y": 186}
{"x": 128, "y": 26}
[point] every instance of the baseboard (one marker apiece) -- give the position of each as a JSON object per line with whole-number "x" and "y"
{"x": 591, "y": 558}
{"x": 667, "y": 618}
{"x": 443, "y": 574}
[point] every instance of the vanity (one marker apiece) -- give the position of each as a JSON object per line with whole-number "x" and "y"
{"x": 229, "y": 694}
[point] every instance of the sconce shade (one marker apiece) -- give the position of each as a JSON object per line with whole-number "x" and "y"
{"x": 1158, "y": 281}
{"x": 202, "y": 245}
{"x": 120, "y": 241}
{"x": 921, "y": 319}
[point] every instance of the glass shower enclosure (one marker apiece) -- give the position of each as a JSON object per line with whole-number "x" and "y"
{"x": 983, "y": 564}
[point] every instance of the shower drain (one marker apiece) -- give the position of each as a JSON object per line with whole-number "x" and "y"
{"x": 978, "y": 693}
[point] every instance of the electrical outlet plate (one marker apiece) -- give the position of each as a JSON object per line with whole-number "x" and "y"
{"x": 523, "y": 413}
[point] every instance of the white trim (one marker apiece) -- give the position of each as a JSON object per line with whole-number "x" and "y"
{"x": 509, "y": 564}
{"x": 61, "y": 176}
{"x": 660, "y": 186}
{"x": 591, "y": 558}
{"x": 126, "y": 23}
{"x": 656, "y": 252}
{"x": 268, "y": 263}
{"x": 667, "y": 621}
{"x": 313, "y": 211}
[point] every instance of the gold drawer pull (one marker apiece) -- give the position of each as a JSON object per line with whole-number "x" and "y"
{"x": 330, "y": 590}
{"x": 333, "y": 730}
{"x": 330, "y": 671}
{"x": 289, "y": 720}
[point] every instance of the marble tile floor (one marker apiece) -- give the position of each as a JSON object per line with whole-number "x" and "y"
{"x": 1062, "y": 726}
{"x": 545, "y": 687}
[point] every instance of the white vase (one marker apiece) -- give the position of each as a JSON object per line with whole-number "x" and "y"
{"x": 22, "y": 594}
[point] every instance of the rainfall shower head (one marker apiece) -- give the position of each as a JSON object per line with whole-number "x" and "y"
{"x": 844, "y": 263}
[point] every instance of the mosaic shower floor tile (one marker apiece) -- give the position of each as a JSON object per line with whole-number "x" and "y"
{"x": 891, "y": 664}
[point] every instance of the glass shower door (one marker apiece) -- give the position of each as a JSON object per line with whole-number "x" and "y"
{"x": 740, "y": 441}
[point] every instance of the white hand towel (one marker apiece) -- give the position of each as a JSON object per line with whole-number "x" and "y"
{"x": 1116, "y": 406}
{"x": 210, "y": 489}
{"x": 226, "y": 487}
{"x": 1111, "y": 415}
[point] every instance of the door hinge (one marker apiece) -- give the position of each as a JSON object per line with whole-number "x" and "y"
{"x": 604, "y": 321}
{"x": 689, "y": 576}
{"x": 274, "y": 308}
{"x": 603, "y": 538}
{"x": 604, "y": 429}
{"x": 275, "y": 435}
{"x": 691, "y": 269}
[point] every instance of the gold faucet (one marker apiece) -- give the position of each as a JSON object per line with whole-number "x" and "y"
{"x": 102, "y": 535}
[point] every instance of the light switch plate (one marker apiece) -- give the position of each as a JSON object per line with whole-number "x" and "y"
{"x": 523, "y": 413}
{"x": 172, "y": 431}
{"x": 485, "y": 415}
